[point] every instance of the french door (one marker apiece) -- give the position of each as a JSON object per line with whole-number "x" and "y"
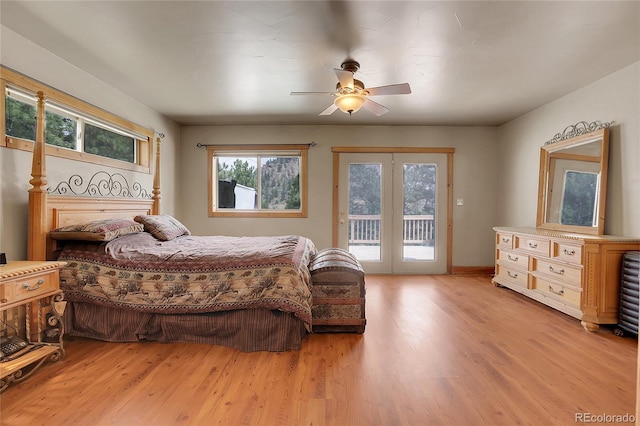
{"x": 393, "y": 211}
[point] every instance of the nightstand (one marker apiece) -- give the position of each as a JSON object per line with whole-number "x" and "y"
{"x": 31, "y": 307}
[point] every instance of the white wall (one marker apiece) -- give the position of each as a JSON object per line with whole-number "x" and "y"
{"x": 475, "y": 179}
{"x": 614, "y": 98}
{"x": 25, "y": 57}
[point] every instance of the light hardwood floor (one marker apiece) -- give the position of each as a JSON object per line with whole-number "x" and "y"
{"x": 447, "y": 350}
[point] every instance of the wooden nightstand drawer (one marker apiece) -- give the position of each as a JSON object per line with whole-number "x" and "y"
{"x": 27, "y": 287}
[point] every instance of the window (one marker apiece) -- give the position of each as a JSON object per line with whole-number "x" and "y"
{"x": 100, "y": 141}
{"x": 61, "y": 128}
{"x": 258, "y": 181}
{"x": 20, "y": 117}
{"x": 72, "y": 128}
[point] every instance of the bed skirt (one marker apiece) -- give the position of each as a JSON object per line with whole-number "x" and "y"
{"x": 248, "y": 330}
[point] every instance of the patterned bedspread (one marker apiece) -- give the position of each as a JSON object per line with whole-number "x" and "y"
{"x": 191, "y": 274}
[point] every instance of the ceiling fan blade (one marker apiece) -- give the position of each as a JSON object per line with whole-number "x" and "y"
{"x": 374, "y": 107}
{"x": 330, "y": 110}
{"x": 392, "y": 89}
{"x": 312, "y": 93}
{"x": 345, "y": 78}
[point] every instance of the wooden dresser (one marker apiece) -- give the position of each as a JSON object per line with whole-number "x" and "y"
{"x": 576, "y": 274}
{"x": 31, "y": 308}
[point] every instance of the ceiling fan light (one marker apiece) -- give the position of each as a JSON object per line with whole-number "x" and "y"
{"x": 349, "y": 103}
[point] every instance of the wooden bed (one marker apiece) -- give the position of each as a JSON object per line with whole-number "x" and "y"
{"x": 249, "y": 329}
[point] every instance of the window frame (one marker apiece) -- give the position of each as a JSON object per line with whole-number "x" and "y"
{"x": 213, "y": 151}
{"x": 142, "y": 136}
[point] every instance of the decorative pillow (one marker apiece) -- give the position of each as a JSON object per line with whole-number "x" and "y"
{"x": 97, "y": 230}
{"x": 164, "y": 227}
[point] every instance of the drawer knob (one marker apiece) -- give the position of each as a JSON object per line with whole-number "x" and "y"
{"x": 559, "y": 272}
{"x": 505, "y": 240}
{"x": 513, "y": 259}
{"x": 559, "y": 293}
{"x": 533, "y": 245}
{"x": 569, "y": 252}
{"x": 512, "y": 275}
{"x": 36, "y": 286}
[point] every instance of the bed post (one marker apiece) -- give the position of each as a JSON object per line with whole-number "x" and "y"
{"x": 156, "y": 181}
{"x": 37, "y": 221}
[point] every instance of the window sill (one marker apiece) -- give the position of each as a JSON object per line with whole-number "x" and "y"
{"x": 26, "y": 145}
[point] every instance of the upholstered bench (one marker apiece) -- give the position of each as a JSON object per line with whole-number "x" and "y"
{"x": 338, "y": 292}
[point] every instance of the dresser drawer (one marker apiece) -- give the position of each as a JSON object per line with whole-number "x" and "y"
{"x": 504, "y": 240}
{"x": 571, "y": 253}
{"x": 513, "y": 260}
{"x": 563, "y": 272}
{"x": 532, "y": 245}
{"x": 28, "y": 287}
{"x": 568, "y": 295}
{"x": 512, "y": 275}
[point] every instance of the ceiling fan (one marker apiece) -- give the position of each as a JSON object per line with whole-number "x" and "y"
{"x": 351, "y": 94}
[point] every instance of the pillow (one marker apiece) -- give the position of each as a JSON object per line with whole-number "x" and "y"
{"x": 163, "y": 226}
{"x": 97, "y": 230}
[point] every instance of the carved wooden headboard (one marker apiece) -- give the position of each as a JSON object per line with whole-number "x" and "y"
{"x": 63, "y": 211}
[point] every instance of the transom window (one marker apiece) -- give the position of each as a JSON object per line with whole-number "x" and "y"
{"x": 258, "y": 181}
{"x": 76, "y": 127}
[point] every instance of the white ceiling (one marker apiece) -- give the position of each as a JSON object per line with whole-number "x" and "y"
{"x": 235, "y": 62}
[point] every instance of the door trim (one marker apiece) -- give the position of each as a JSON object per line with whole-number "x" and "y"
{"x": 337, "y": 150}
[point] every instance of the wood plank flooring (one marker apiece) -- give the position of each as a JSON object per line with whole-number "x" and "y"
{"x": 438, "y": 350}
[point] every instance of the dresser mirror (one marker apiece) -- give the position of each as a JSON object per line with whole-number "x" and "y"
{"x": 572, "y": 188}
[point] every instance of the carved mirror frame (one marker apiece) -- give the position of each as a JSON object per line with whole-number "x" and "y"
{"x": 572, "y": 187}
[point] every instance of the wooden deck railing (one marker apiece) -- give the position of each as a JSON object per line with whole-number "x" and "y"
{"x": 417, "y": 229}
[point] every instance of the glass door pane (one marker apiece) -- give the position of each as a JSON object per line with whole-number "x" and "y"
{"x": 419, "y": 207}
{"x": 420, "y": 219}
{"x": 364, "y": 211}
